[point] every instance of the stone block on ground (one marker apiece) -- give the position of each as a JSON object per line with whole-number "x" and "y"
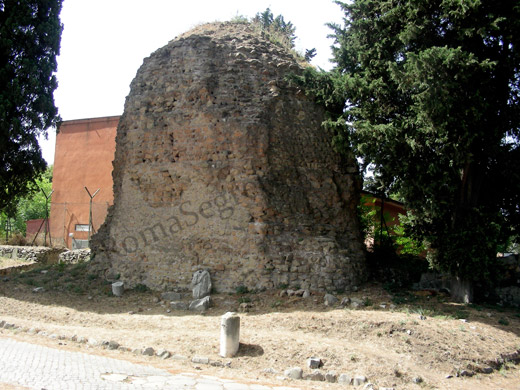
{"x": 315, "y": 376}
{"x": 294, "y": 373}
{"x": 330, "y": 300}
{"x": 200, "y": 304}
{"x": 345, "y": 379}
{"x": 359, "y": 380}
{"x": 331, "y": 376}
{"x": 314, "y": 362}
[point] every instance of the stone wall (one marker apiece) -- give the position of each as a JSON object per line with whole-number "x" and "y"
{"x": 38, "y": 254}
{"x": 221, "y": 165}
{"x": 75, "y": 256}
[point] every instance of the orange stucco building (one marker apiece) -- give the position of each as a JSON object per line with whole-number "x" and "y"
{"x": 83, "y": 158}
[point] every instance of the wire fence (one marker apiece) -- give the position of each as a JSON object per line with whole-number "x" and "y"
{"x": 72, "y": 224}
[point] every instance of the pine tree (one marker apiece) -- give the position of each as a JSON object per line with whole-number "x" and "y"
{"x": 427, "y": 92}
{"x": 30, "y": 32}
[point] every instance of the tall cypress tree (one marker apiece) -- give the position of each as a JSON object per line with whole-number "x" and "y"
{"x": 428, "y": 93}
{"x": 30, "y": 32}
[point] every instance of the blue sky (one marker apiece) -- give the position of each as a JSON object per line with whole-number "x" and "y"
{"x": 104, "y": 43}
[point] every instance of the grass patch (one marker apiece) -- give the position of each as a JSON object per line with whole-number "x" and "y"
{"x": 140, "y": 288}
{"x": 242, "y": 290}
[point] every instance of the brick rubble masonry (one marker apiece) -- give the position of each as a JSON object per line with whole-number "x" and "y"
{"x": 221, "y": 165}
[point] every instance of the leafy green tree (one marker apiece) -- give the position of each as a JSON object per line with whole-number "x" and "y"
{"x": 30, "y": 32}
{"x": 31, "y": 206}
{"x": 427, "y": 92}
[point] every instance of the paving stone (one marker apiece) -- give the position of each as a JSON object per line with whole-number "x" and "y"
{"x": 39, "y": 367}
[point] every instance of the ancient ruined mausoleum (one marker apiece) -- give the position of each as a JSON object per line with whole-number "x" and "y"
{"x": 221, "y": 165}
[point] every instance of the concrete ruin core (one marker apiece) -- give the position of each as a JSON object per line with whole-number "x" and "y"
{"x": 222, "y": 165}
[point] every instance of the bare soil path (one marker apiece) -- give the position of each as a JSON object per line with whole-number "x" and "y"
{"x": 392, "y": 340}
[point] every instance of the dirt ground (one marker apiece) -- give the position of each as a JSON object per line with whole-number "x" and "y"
{"x": 392, "y": 340}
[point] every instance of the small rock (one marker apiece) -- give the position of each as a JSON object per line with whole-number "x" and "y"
{"x": 449, "y": 376}
{"x": 345, "y": 301}
{"x": 148, "y": 351}
{"x": 283, "y": 293}
{"x": 137, "y": 351}
{"x": 409, "y": 332}
{"x": 178, "y": 305}
{"x": 382, "y": 306}
{"x": 155, "y": 300}
{"x": 200, "y": 304}
{"x": 369, "y": 386}
{"x": 417, "y": 379}
{"x": 53, "y": 336}
{"x": 290, "y": 293}
{"x": 216, "y": 363}
{"x": 330, "y": 300}
{"x": 315, "y": 376}
{"x": 179, "y": 357}
{"x": 82, "y": 340}
{"x": 356, "y": 302}
{"x": 466, "y": 373}
{"x": 38, "y": 290}
{"x": 90, "y": 297}
{"x": 200, "y": 360}
{"x": 294, "y": 373}
{"x": 170, "y": 296}
{"x": 314, "y": 362}
{"x": 131, "y": 312}
{"x": 44, "y": 271}
{"x": 306, "y": 294}
{"x": 331, "y": 376}
{"x": 345, "y": 379}
{"x": 244, "y": 307}
{"x": 386, "y": 388}
{"x": 163, "y": 354}
{"x": 487, "y": 370}
{"x": 270, "y": 370}
{"x": 359, "y": 380}
{"x": 300, "y": 292}
{"x": 30, "y": 331}
{"x": 113, "y": 344}
{"x": 93, "y": 342}
{"x": 422, "y": 318}
{"x": 168, "y": 311}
